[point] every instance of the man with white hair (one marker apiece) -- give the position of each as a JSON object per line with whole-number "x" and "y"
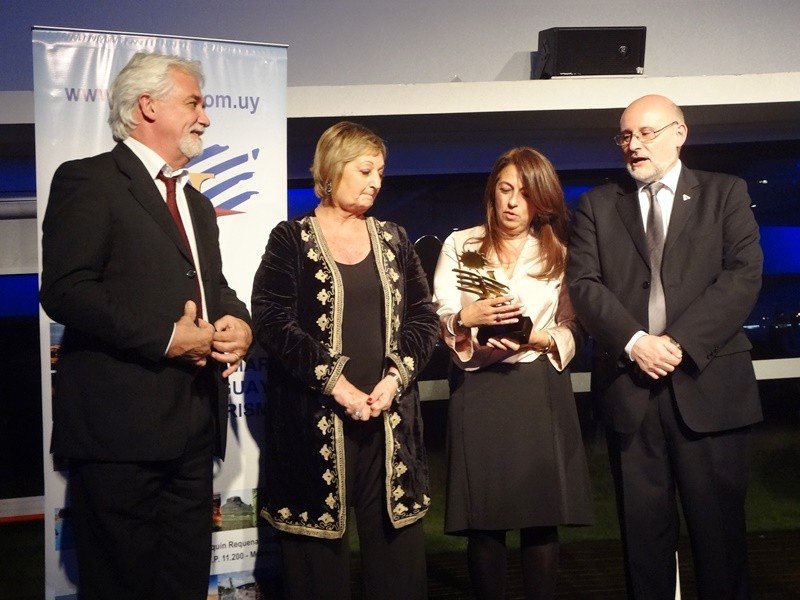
{"x": 132, "y": 269}
{"x": 663, "y": 271}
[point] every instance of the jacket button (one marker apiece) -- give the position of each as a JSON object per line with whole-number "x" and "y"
{"x": 645, "y": 285}
{"x": 191, "y": 273}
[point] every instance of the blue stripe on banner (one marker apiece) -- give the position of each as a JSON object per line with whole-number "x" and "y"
{"x": 215, "y": 190}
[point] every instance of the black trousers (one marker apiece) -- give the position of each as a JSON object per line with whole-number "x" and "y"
{"x": 143, "y": 529}
{"x": 392, "y": 560}
{"x": 663, "y": 460}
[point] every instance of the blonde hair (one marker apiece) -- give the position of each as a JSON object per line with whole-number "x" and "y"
{"x": 337, "y": 146}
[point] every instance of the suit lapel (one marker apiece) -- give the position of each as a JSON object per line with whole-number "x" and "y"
{"x": 687, "y": 195}
{"x": 631, "y": 215}
{"x": 144, "y": 190}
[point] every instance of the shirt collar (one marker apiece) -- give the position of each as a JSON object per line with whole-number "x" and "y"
{"x": 153, "y": 162}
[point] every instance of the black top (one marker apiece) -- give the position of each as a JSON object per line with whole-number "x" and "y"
{"x": 362, "y": 324}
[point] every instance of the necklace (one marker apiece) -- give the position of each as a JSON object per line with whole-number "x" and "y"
{"x": 509, "y": 266}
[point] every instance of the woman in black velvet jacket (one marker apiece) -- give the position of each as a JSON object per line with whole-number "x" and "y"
{"x": 342, "y": 307}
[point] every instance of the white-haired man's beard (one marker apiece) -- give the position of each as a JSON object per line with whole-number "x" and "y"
{"x": 191, "y": 145}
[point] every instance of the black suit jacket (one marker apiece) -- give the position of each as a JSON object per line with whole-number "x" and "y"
{"x": 116, "y": 274}
{"x": 711, "y": 273}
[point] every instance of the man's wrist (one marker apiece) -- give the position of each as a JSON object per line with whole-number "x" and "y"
{"x": 171, "y": 337}
{"x": 635, "y": 338}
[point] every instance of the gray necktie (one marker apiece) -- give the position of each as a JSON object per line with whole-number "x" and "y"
{"x": 656, "y": 305}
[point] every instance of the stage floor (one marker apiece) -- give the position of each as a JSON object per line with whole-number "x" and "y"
{"x": 588, "y": 569}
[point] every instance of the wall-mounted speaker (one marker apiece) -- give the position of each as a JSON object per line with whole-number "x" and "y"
{"x": 565, "y": 51}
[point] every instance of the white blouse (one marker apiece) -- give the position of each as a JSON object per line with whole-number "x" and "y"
{"x": 546, "y": 302}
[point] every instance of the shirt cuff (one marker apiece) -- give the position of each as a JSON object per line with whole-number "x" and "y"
{"x": 174, "y": 327}
{"x": 449, "y": 324}
{"x": 634, "y": 339}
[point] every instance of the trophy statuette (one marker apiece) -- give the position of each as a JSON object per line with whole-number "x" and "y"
{"x": 474, "y": 277}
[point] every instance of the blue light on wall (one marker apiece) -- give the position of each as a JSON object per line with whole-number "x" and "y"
{"x": 17, "y": 177}
{"x": 19, "y": 295}
{"x": 300, "y": 201}
{"x": 781, "y": 246}
{"x": 572, "y": 193}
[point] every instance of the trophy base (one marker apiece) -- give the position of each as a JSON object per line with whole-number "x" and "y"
{"x": 519, "y": 332}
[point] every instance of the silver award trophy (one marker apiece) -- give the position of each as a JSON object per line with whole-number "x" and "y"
{"x": 474, "y": 277}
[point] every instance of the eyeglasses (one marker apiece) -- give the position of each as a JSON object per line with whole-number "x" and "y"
{"x": 645, "y": 135}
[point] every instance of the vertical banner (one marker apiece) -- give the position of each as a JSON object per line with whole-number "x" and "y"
{"x": 243, "y": 171}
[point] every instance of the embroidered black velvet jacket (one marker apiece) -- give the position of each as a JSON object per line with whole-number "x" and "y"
{"x": 297, "y": 318}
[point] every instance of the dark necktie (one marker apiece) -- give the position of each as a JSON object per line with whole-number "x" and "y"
{"x": 656, "y": 305}
{"x": 172, "y": 205}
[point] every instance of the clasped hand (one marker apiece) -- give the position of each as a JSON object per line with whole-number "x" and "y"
{"x": 232, "y": 338}
{"x": 195, "y": 340}
{"x": 656, "y": 355}
{"x": 361, "y": 406}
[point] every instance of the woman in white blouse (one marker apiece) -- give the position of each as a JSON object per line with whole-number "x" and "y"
{"x": 515, "y": 452}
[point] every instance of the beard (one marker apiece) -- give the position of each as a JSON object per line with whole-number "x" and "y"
{"x": 650, "y": 174}
{"x": 191, "y": 145}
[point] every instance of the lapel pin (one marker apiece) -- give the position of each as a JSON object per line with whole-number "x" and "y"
{"x": 686, "y": 197}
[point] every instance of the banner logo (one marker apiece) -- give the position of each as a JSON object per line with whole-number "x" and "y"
{"x": 225, "y": 177}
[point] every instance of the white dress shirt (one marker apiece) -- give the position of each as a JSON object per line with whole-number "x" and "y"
{"x": 666, "y": 198}
{"x": 546, "y": 302}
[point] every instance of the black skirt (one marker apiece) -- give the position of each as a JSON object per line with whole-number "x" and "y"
{"x": 515, "y": 452}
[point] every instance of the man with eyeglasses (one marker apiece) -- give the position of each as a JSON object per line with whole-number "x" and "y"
{"x": 663, "y": 271}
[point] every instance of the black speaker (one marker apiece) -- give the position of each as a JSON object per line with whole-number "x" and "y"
{"x": 589, "y": 51}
